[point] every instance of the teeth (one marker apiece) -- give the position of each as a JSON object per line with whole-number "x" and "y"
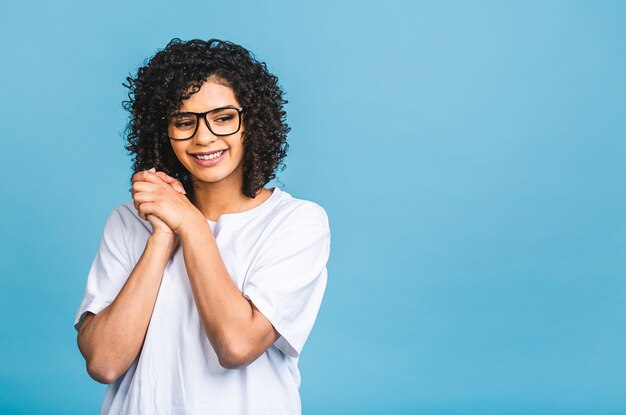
{"x": 210, "y": 156}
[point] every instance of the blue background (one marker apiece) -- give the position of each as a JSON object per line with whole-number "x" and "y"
{"x": 470, "y": 156}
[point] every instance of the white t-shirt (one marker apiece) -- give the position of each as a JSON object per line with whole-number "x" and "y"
{"x": 276, "y": 253}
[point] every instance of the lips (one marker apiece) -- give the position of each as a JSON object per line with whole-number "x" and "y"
{"x": 205, "y": 160}
{"x": 208, "y": 155}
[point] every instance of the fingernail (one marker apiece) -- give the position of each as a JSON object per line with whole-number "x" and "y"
{"x": 153, "y": 170}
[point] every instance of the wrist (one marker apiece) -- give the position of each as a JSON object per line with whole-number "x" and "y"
{"x": 163, "y": 241}
{"x": 195, "y": 222}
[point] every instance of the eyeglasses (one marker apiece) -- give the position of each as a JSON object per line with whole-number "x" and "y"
{"x": 220, "y": 121}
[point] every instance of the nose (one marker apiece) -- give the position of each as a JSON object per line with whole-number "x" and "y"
{"x": 203, "y": 133}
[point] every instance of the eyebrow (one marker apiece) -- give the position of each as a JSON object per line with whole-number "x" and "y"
{"x": 230, "y": 106}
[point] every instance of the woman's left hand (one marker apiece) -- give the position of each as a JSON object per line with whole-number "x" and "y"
{"x": 158, "y": 198}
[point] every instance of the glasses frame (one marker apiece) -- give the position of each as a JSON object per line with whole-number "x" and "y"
{"x": 206, "y": 121}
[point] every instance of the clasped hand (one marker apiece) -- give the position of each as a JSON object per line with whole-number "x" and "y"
{"x": 160, "y": 199}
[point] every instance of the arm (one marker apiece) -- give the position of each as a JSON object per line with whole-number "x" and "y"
{"x": 111, "y": 340}
{"x": 237, "y": 330}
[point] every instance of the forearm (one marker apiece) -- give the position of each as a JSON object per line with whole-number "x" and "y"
{"x": 226, "y": 314}
{"x": 112, "y": 339}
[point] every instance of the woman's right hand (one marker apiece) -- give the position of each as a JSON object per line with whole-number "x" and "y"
{"x": 159, "y": 228}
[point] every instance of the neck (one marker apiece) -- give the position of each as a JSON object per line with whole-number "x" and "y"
{"x": 216, "y": 199}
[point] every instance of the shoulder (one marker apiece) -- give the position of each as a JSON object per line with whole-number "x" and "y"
{"x": 292, "y": 211}
{"x": 125, "y": 217}
{"x": 125, "y": 233}
{"x": 295, "y": 229}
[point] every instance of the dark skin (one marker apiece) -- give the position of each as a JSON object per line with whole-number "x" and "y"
{"x": 237, "y": 330}
{"x": 111, "y": 340}
{"x": 239, "y": 333}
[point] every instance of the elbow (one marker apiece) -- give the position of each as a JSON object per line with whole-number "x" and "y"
{"x": 234, "y": 357}
{"x": 100, "y": 365}
{"x": 230, "y": 361}
{"x": 98, "y": 368}
{"x": 102, "y": 373}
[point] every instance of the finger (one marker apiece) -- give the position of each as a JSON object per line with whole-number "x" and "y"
{"x": 141, "y": 191}
{"x": 141, "y": 215}
{"x": 164, "y": 176}
{"x": 136, "y": 204}
{"x": 179, "y": 187}
{"x": 144, "y": 187}
{"x": 146, "y": 176}
{"x": 133, "y": 191}
{"x": 138, "y": 176}
{"x": 143, "y": 197}
{"x": 149, "y": 208}
{"x": 172, "y": 181}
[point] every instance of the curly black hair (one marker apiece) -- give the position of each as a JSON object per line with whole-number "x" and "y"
{"x": 177, "y": 72}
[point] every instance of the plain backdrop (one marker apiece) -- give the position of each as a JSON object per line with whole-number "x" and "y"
{"x": 470, "y": 156}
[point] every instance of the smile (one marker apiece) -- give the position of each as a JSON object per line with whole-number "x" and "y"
{"x": 208, "y": 160}
{"x": 208, "y": 156}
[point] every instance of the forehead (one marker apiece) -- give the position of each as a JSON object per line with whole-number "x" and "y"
{"x": 211, "y": 95}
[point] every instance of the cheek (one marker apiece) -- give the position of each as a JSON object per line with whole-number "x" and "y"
{"x": 241, "y": 149}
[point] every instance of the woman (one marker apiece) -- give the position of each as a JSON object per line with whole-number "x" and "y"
{"x": 206, "y": 286}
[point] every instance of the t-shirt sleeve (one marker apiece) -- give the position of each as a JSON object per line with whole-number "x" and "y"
{"x": 109, "y": 270}
{"x": 288, "y": 282}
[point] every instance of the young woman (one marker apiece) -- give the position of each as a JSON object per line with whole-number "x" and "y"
{"x": 206, "y": 286}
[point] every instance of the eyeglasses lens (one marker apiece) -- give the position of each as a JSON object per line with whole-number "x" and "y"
{"x": 224, "y": 121}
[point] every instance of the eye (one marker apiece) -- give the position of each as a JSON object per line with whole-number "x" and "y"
{"x": 222, "y": 119}
{"x": 184, "y": 123}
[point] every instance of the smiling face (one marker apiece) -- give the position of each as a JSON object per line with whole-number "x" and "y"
{"x": 198, "y": 154}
